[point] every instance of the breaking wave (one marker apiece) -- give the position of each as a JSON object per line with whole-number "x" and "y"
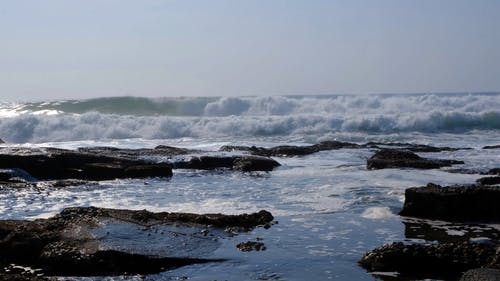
{"x": 132, "y": 117}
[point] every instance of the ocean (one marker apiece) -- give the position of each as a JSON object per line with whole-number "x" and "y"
{"x": 330, "y": 209}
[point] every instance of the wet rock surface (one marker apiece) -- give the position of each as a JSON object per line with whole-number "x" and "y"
{"x": 53, "y": 164}
{"x": 241, "y": 163}
{"x": 396, "y": 158}
{"x": 444, "y": 260}
{"x": 492, "y": 147}
{"x": 453, "y": 203}
{"x": 251, "y": 246}
{"x": 68, "y": 244}
{"x": 291, "y": 150}
{"x": 489, "y": 181}
{"x": 481, "y": 274}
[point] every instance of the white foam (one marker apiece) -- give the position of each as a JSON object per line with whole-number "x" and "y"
{"x": 377, "y": 213}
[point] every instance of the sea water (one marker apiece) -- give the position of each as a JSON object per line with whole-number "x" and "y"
{"x": 330, "y": 209}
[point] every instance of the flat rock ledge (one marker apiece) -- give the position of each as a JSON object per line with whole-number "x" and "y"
{"x": 65, "y": 246}
{"x": 440, "y": 261}
{"x": 396, "y": 158}
{"x": 240, "y": 163}
{"x": 461, "y": 203}
{"x": 54, "y": 164}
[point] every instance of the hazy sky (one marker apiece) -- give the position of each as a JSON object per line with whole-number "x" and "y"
{"x": 88, "y": 48}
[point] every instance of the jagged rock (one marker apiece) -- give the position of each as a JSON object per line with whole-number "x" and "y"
{"x": 51, "y": 163}
{"x": 444, "y": 260}
{"x": 395, "y": 158}
{"x": 68, "y": 245}
{"x": 489, "y": 180}
{"x": 455, "y": 203}
{"x": 481, "y": 274}
{"x": 242, "y": 163}
{"x": 291, "y": 150}
{"x": 1, "y": 141}
{"x": 251, "y": 246}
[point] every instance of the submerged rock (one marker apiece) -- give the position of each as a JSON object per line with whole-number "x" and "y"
{"x": 455, "y": 203}
{"x": 396, "y": 158}
{"x": 89, "y": 241}
{"x": 444, "y": 260}
{"x": 241, "y": 163}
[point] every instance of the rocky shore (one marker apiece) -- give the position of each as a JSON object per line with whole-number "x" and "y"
{"x": 470, "y": 251}
{"x": 83, "y": 241}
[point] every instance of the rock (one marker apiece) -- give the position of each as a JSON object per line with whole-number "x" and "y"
{"x": 54, "y": 164}
{"x": 494, "y": 171}
{"x": 489, "y": 181}
{"x": 454, "y": 203}
{"x": 422, "y": 229}
{"x": 251, "y": 246}
{"x": 241, "y": 163}
{"x": 481, "y": 274}
{"x": 492, "y": 147}
{"x": 395, "y": 158}
{"x": 132, "y": 154}
{"x": 1, "y": 141}
{"x": 70, "y": 244}
{"x": 413, "y": 147}
{"x": 291, "y": 150}
{"x": 440, "y": 261}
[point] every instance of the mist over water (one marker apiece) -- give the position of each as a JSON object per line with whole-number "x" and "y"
{"x": 160, "y": 118}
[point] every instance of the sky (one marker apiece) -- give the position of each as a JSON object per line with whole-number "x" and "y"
{"x": 54, "y": 49}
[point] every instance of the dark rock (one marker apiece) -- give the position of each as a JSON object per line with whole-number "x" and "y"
{"x": 492, "y": 147}
{"x": 1, "y": 141}
{"x": 481, "y": 274}
{"x": 395, "y": 158}
{"x": 449, "y": 232}
{"x": 413, "y": 147}
{"x": 454, "y": 203}
{"x": 291, "y": 150}
{"x": 494, "y": 171}
{"x": 131, "y": 154}
{"x": 50, "y": 164}
{"x": 251, "y": 246}
{"x": 445, "y": 260}
{"x": 489, "y": 180}
{"x": 65, "y": 244}
{"x": 241, "y": 163}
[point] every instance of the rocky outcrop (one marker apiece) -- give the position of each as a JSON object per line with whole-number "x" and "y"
{"x": 445, "y": 260}
{"x": 489, "y": 181}
{"x": 454, "y": 203}
{"x": 395, "y": 158}
{"x": 413, "y": 147}
{"x": 161, "y": 150}
{"x": 291, "y": 150}
{"x": 51, "y": 164}
{"x": 79, "y": 241}
{"x": 240, "y": 163}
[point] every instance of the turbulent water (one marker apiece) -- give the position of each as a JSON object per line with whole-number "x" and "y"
{"x": 330, "y": 209}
